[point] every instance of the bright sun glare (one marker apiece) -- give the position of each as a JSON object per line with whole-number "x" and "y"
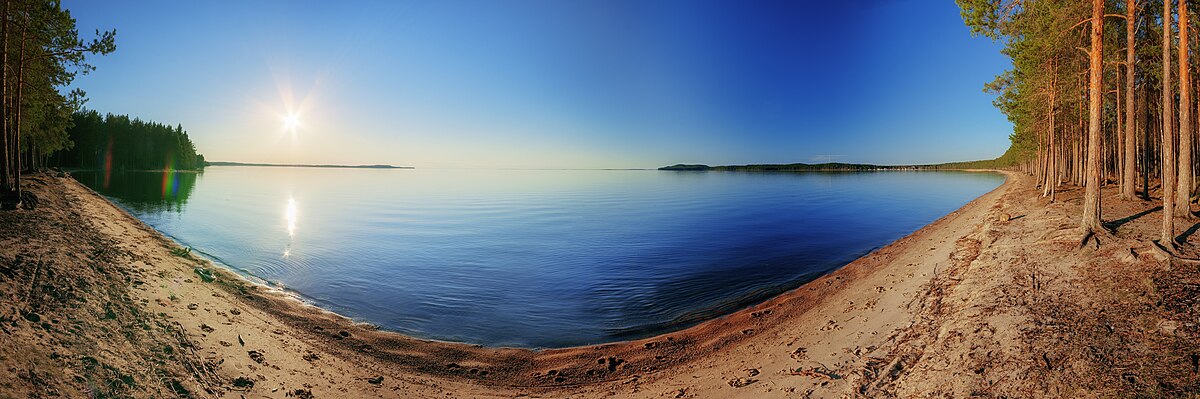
{"x": 291, "y": 122}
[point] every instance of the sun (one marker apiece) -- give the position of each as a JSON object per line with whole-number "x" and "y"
{"x": 291, "y": 122}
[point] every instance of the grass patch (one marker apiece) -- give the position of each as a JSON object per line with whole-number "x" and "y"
{"x": 205, "y": 274}
{"x": 182, "y": 252}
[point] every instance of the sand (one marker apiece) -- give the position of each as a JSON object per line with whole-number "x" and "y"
{"x": 994, "y": 299}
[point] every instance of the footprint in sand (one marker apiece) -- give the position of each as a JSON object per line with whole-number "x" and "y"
{"x": 257, "y": 356}
{"x": 612, "y": 362}
{"x": 741, "y": 382}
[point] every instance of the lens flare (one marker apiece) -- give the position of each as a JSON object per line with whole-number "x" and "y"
{"x": 170, "y": 184}
{"x": 108, "y": 162}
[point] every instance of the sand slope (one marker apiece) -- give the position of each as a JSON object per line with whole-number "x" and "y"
{"x": 960, "y": 308}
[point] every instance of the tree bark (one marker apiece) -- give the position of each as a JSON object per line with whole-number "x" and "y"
{"x": 17, "y": 103}
{"x": 1143, "y": 113}
{"x": 1167, "y": 237}
{"x": 5, "y": 174}
{"x": 1051, "y": 173}
{"x": 1128, "y": 175}
{"x": 1183, "y": 192}
{"x": 1091, "y": 198}
{"x": 1115, "y": 150}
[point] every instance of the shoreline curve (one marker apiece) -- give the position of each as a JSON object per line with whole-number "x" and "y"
{"x": 434, "y": 366}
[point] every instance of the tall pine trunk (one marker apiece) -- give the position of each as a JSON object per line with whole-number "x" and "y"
{"x": 1167, "y": 237}
{"x": 1143, "y": 113}
{"x": 1051, "y": 172}
{"x": 1091, "y": 197}
{"x": 1183, "y": 192}
{"x": 20, "y": 75}
{"x": 1118, "y": 138}
{"x": 1128, "y": 175}
{"x": 6, "y": 173}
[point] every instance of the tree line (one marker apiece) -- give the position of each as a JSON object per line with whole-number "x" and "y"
{"x": 1100, "y": 92}
{"x": 41, "y": 53}
{"x": 118, "y": 142}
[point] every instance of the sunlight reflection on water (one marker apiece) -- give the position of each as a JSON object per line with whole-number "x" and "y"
{"x": 544, "y": 258}
{"x": 290, "y": 215}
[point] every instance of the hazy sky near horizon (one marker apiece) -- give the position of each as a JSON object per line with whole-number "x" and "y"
{"x": 546, "y": 84}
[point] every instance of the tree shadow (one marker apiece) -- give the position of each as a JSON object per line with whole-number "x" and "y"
{"x": 1114, "y": 224}
{"x": 1187, "y": 233}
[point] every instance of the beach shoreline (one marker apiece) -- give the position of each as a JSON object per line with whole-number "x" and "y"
{"x": 481, "y": 369}
{"x": 838, "y": 335}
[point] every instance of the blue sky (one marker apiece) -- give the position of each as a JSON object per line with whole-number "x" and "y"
{"x": 533, "y": 84}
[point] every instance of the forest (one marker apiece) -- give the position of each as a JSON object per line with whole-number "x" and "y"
{"x": 118, "y": 142}
{"x": 41, "y": 53}
{"x": 1100, "y": 92}
{"x": 792, "y": 167}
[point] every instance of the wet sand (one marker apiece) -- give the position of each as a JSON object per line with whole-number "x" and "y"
{"x": 944, "y": 311}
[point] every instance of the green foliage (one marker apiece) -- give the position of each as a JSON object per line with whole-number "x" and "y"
{"x": 182, "y": 252}
{"x": 206, "y": 275}
{"x": 1042, "y": 38}
{"x": 44, "y": 55}
{"x": 982, "y": 16}
{"x": 1010, "y": 159}
{"x": 123, "y": 143}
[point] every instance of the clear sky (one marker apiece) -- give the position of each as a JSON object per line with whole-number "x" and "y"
{"x": 532, "y": 84}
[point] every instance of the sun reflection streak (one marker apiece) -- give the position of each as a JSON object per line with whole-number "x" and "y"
{"x": 291, "y": 217}
{"x": 289, "y": 214}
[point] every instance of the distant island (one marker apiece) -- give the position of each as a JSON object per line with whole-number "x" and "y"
{"x": 297, "y": 165}
{"x": 835, "y": 166}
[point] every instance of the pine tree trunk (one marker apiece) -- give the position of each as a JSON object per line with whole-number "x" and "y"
{"x": 1091, "y": 198}
{"x": 1117, "y": 136}
{"x": 17, "y": 104}
{"x": 1144, "y": 116}
{"x": 1183, "y": 192}
{"x": 1128, "y": 178}
{"x": 6, "y": 173}
{"x": 1167, "y": 237}
{"x": 1050, "y": 169}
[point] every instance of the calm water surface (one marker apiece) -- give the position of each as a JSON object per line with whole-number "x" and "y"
{"x": 535, "y": 258}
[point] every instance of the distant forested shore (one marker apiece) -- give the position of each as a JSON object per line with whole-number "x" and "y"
{"x": 998, "y": 163}
{"x": 304, "y": 165}
{"x": 119, "y": 142}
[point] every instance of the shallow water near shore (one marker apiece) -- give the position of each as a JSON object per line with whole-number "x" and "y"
{"x": 535, "y": 258}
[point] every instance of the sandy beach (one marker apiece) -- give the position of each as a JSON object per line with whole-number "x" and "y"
{"x": 991, "y": 300}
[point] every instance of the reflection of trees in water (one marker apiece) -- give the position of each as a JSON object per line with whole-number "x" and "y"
{"x": 152, "y": 192}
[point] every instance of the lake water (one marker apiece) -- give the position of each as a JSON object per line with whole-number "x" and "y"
{"x": 535, "y": 258}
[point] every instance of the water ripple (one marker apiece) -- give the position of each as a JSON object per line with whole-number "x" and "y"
{"x": 540, "y": 258}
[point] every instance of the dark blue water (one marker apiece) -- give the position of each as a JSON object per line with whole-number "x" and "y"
{"x": 536, "y": 258}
